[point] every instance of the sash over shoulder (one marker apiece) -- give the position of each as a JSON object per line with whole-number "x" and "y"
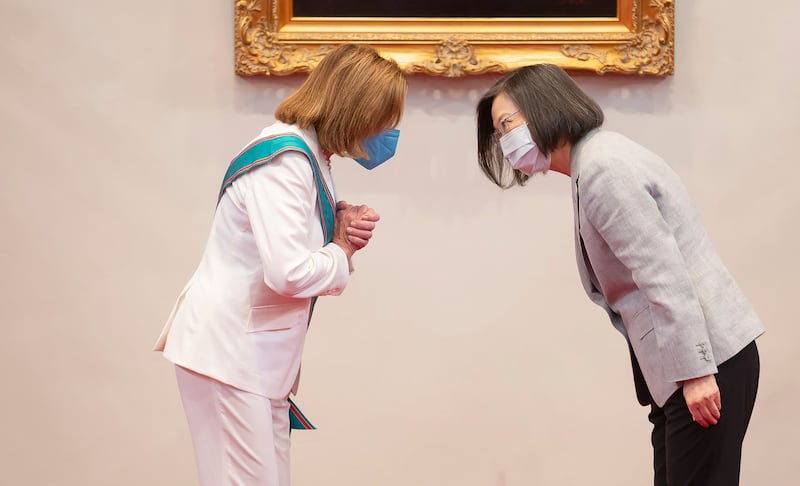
{"x": 261, "y": 152}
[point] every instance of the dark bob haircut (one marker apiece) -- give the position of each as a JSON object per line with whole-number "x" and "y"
{"x": 556, "y": 109}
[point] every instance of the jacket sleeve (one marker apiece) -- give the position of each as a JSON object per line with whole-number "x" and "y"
{"x": 280, "y": 199}
{"x": 624, "y": 211}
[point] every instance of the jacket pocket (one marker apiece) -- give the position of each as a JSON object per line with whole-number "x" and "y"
{"x": 277, "y": 317}
{"x": 641, "y": 324}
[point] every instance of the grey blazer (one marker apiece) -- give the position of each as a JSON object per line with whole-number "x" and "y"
{"x": 645, "y": 257}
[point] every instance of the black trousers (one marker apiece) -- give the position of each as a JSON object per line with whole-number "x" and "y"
{"x": 686, "y": 454}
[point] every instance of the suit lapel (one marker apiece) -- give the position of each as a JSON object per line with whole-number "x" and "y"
{"x": 580, "y": 258}
{"x": 588, "y": 278}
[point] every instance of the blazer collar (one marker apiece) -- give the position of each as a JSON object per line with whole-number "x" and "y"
{"x": 580, "y": 258}
{"x": 583, "y": 269}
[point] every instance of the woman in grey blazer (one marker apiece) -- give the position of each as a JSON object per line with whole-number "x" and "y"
{"x": 645, "y": 257}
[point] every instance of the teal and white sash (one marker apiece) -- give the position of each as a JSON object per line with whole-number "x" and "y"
{"x": 261, "y": 152}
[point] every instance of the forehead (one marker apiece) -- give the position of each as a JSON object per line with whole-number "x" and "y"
{"x": 502, "y": 106}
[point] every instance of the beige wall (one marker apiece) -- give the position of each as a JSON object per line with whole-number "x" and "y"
{"x": 463, "y": 353}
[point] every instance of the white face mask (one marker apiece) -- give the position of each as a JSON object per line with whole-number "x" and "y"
{"x": 521, "y": 151}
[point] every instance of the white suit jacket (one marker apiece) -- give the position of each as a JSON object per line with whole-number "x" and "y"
{"x": 644, "y": 256}
{"x": 242, "y": 318}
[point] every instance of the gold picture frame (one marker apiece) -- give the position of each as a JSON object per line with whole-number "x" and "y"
{"x": 639, "y": 40}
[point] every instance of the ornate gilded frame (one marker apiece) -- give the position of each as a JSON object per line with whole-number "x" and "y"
{"x": 270, "y": 41}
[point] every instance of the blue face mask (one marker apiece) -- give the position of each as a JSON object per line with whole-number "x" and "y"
{"x": 379, "y": 149}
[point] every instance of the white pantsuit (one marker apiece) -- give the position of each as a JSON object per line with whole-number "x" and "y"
{"x": 241, "y": 320}
{"x": 230, "y": 432}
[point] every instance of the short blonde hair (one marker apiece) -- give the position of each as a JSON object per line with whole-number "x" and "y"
{"x": 352, "y": 94}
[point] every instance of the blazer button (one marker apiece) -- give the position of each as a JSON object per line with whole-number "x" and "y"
{"x": 705, "y": 352}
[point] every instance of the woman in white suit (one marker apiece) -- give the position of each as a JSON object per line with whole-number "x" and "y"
{"x": 645, "y": 257}
{"x": 278, "y": 241}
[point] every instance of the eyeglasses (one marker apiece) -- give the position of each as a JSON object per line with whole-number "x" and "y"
{"x": 502, "y": 126}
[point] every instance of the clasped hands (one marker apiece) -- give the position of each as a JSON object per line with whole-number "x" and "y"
{"x": 353, "y": 228}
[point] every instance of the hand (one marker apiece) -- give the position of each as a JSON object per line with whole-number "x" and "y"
{"x": 703, "y": 400}
{"x": 353, "y": 227}
{"x": 359, "y": 230}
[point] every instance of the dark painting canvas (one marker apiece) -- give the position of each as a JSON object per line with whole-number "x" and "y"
{"x": 455, "y": 8}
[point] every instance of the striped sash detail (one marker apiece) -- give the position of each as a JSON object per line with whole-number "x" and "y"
{"x": 261, "y": 152}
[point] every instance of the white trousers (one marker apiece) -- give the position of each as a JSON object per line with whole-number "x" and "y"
{"x": 239, "y": 438}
